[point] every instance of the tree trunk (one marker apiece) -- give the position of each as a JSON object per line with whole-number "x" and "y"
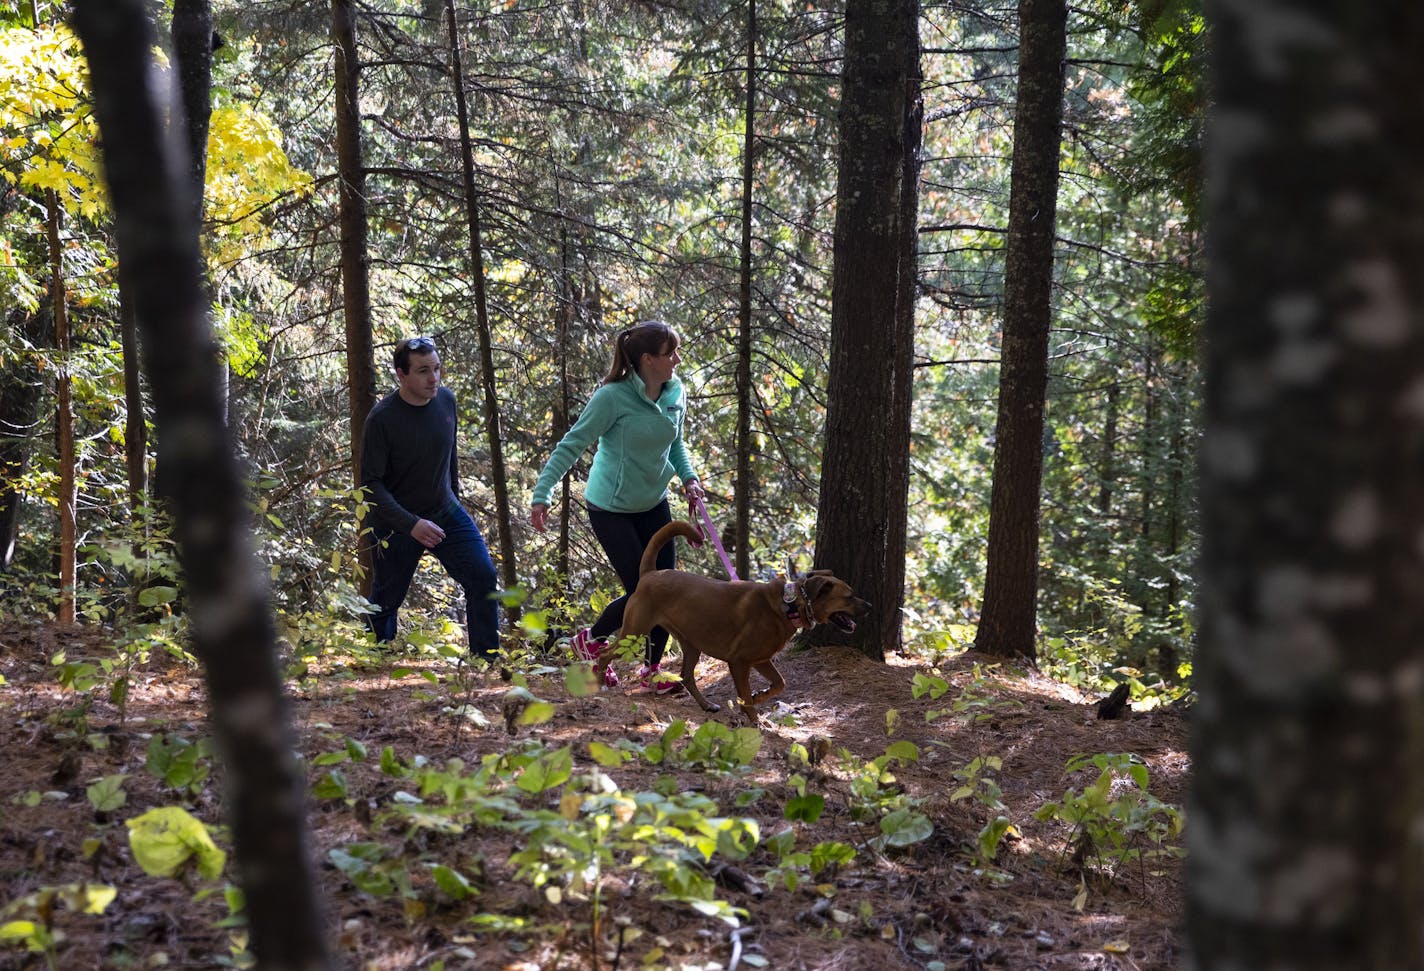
{"x": 865, "y": 477}
{"x": 135, "y": 442}
{"x": 1150, "y": 437}
{"x": 1008, "y": 623}
{"x": 232, "y": 627}
{"x": 193, "y": 52}
{"x": 564, "y": 316}
{"x": 903, "y": 348}
{"x": 20, "y": 392}
{"x": 355, "y": 259}
{"x": 745, "y": 485}
{"x": 1107, "y": 458}
{"x": 135, "y": 427}
{"x": 63, "y": 416}
{"x": 1308, "y": 746}
{"x": 477, "y": 273}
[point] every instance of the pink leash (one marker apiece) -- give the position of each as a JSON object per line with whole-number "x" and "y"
{"x": 710, "y": 529}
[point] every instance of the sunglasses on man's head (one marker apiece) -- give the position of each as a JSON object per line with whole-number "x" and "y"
{"x": 420, "y": 344}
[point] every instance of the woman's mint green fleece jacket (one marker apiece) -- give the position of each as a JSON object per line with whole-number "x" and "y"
{"x": 639, "y": 447}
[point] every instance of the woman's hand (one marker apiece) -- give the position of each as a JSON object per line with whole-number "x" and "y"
{"x": 693, "y": 490}
{"x": 538, "y": 516}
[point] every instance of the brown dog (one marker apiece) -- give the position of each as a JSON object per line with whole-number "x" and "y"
{"x": 739, "y": 621}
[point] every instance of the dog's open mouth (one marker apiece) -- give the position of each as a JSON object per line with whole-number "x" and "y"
{"x": 843, "y": 620}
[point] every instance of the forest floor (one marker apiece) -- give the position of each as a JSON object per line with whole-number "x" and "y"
{"x": 925, "y": 905}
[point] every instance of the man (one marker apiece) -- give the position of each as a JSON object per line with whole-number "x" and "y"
{"x": 408, "y": 468}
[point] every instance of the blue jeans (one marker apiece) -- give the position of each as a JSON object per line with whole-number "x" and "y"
{"x": 624, "y": 536}
{"x": 464, "y": 556}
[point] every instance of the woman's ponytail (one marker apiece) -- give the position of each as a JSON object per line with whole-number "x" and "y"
{"x": 631, "y": 343}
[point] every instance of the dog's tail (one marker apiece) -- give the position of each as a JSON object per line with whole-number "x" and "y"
{"x": 664, "y": 536}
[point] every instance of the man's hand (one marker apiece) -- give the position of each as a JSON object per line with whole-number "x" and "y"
{"x": 427, "y": 534}
{"x": 538, "y": 516}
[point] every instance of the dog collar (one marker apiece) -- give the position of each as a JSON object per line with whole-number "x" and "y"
{"x": 791, "y": 598}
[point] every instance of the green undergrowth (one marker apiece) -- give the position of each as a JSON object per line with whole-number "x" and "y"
{"x": 578, "y": 834}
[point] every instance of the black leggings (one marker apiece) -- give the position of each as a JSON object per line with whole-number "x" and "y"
{"x": 624, "y": 536}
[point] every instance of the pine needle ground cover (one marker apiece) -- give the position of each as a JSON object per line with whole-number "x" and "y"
{"x": 956, "y": 816}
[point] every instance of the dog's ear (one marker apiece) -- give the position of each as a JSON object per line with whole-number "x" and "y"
{"x": 816, "y": 584}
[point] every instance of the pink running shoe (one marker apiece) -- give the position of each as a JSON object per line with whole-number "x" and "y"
{"x": 587, "y": 648}
{"x": 650, "y": 682}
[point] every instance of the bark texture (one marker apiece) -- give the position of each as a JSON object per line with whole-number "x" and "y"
{"x": 232, "y": 628}
{"x": 1008, "y": 623}
{"x": 1308, "y": 750}
{"x": 355, "y": 256}
{"x": 745, "y": 483}
{"x": 20, "y": 391}
{"x": 193, "y": 54}
{"x": 865, "y": 466}
{"x": 63, "y": 415}
{"x": 135, "y": 427}
{"x": 488, "y": 379}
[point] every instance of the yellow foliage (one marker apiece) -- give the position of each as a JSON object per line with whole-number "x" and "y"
{"x": 247, "y": 170}
{"x": 49, "y": 140}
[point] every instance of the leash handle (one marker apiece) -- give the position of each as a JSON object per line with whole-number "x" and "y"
{"x": 699, "y": 508}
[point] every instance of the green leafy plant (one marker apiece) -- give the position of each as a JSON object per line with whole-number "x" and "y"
{"x": 875, "y": 795}
{"x": 107, "y": 794}
{"x": 374, "y": 868}
{"x": 1094, "y": 667}
{"x": 664, "y": 750}
{"x": 178, "y": 763}
{"x": 332, "y": 783}
{"x": 235, "y": 923}
{"x": 567, "y": 847}
{"x": 568, "y": 852}
{"x": 976, "y": 783}
{"x": 1114, "y": 820}
{"x": 141, "y": 554}
{"x": 978, "y": 701}
{"x": 803, "y": 806}
{"x": 792, "y": 864}
{"x": 715, "y": 746}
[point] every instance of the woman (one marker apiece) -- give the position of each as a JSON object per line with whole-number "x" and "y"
{"x": 636, "y": 418}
